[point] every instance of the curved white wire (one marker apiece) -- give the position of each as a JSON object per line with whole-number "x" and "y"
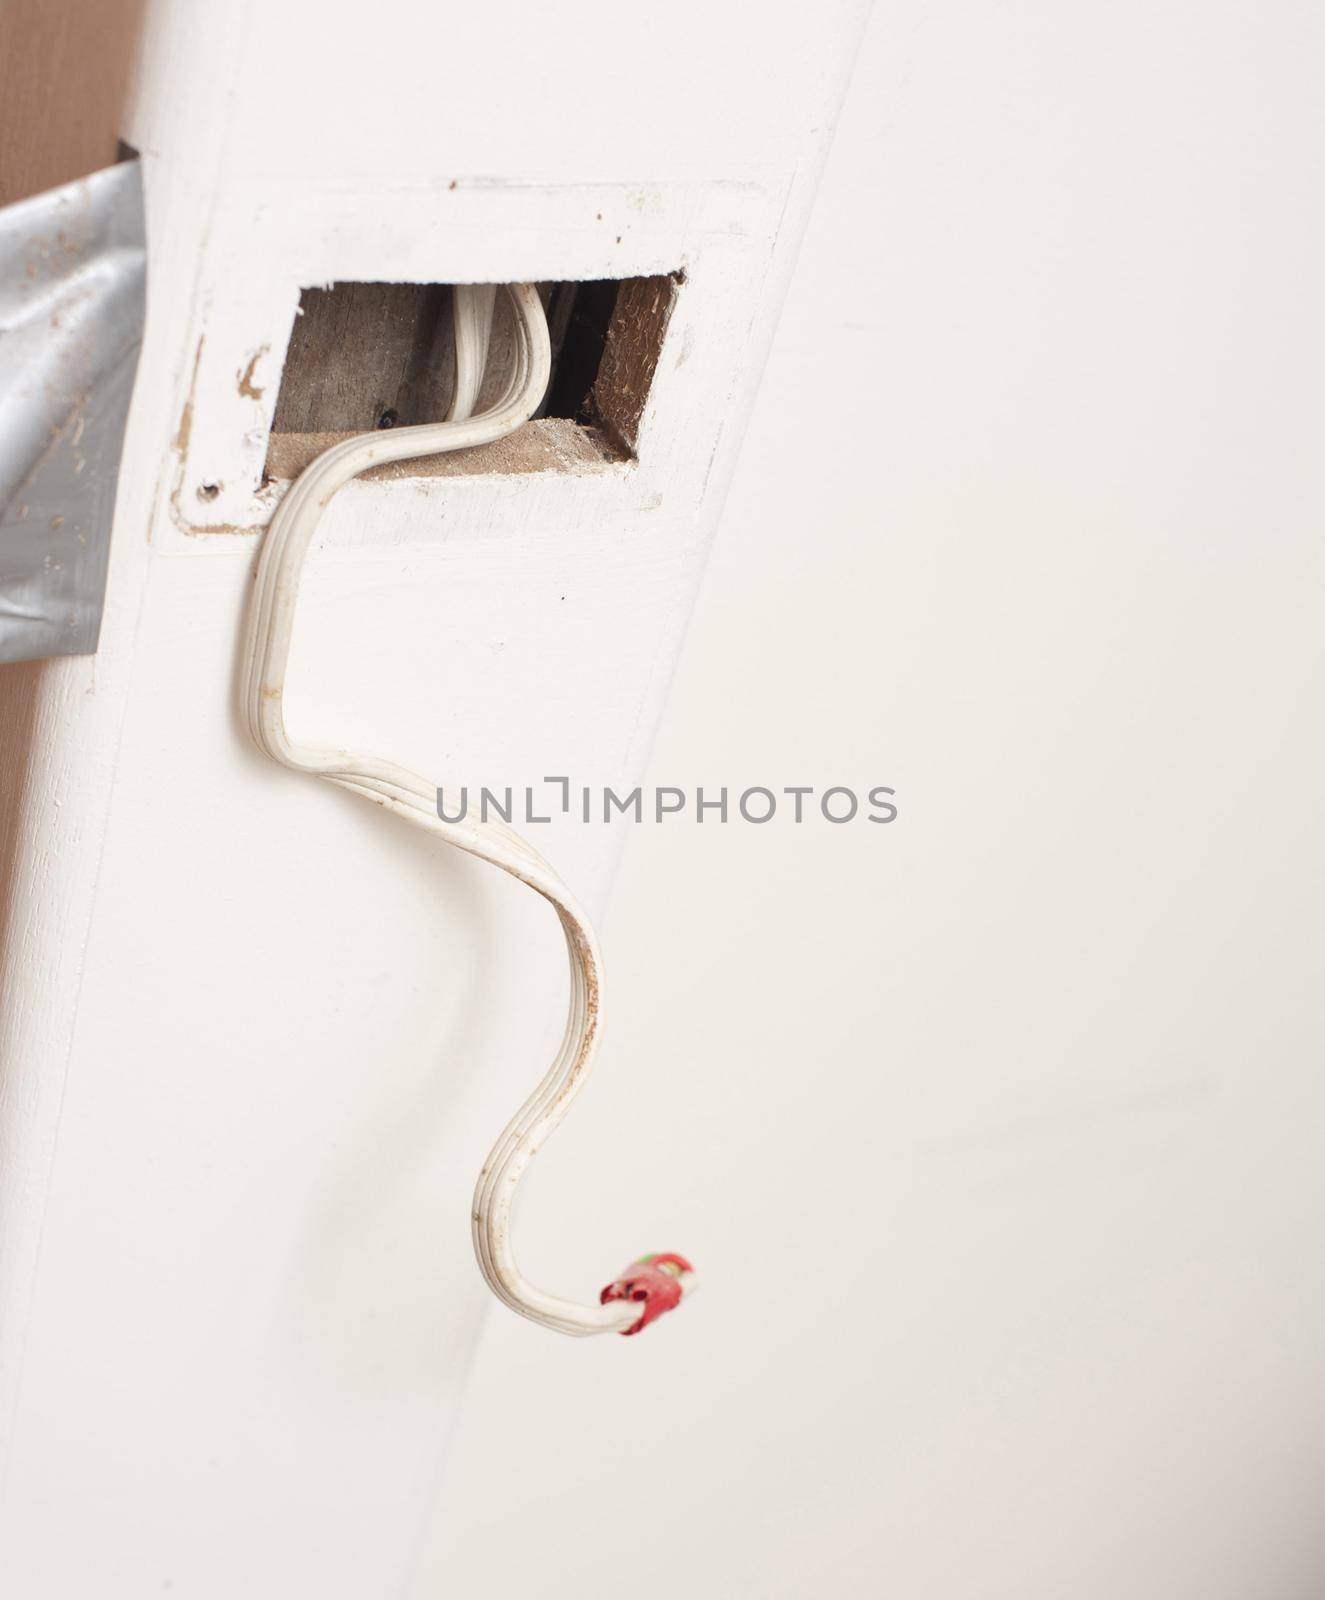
{"x": 406, "y": 794}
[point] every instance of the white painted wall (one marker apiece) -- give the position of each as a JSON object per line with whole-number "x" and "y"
{"x": 255, "y": 1040}
{"x": 996, "y": 1132}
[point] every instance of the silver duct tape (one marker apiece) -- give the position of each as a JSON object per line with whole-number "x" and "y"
{"x": 72, "y": 298}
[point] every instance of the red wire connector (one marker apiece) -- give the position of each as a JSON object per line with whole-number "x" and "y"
{"x": 655, "y": 1282}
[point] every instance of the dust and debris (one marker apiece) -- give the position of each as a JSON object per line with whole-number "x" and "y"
{"x": 548, "y": 444}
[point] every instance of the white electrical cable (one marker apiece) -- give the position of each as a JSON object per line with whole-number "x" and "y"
{"x": 472, "y": 308}
{"x": 406, "y": 794}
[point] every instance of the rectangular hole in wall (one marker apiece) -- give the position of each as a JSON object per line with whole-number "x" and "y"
{"x": 381, "y": 355}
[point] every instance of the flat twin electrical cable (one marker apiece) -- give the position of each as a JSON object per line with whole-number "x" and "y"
{"x": 653, "y": 1284}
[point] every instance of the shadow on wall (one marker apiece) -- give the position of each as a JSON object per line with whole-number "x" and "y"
{"x": 20, "y": 689}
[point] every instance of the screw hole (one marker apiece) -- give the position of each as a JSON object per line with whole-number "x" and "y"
{"x": 208, "y": 491}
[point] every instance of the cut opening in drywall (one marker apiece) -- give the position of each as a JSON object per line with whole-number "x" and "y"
{"x": 382, "y": 355}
